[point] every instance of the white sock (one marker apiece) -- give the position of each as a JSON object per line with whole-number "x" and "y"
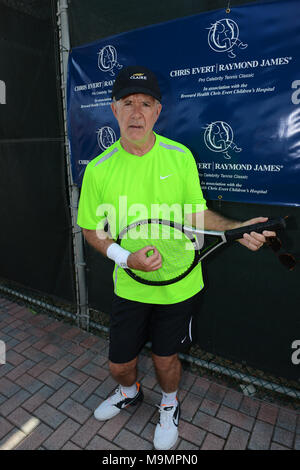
{"x": 169, "y": 398}
{"x": 130, "y": 392}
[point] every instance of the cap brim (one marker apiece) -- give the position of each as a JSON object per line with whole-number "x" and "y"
{"x": 134, "y": 90}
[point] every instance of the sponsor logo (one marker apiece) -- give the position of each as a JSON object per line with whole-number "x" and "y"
{"x": 106, "y": 137}
{"x": 176, "y": 416}
{"x": 223, "y": 36}
{"x": 138, "y": 76}
{"x": 108, "y": 60}
{"x": 218, "y": 137}
{"x": 164, "y": 177}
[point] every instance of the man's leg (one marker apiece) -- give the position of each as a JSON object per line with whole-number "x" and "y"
{"x": 128, "y": 392}
{"x": 128, "y": 333}
{"x": 168, "y": 371}
{"x": 171, "y": 330}
{"x": 124, "y": 374}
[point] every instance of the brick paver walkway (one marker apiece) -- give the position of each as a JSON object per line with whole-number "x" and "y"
{"x": 55, "y": 375}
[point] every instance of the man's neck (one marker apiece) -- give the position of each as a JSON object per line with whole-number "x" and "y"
{"x": 138, "y": 148}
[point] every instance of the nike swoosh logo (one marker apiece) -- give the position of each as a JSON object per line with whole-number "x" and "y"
{"x": 176, "y": 416}
{"x": 164, "y": 177}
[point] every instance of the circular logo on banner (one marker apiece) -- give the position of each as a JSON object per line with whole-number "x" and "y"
{"x": 106, "y": 137}
{"x": 218, "y": 137}
{"x": 223, "y": 36}
{"x": 108, "y": 59}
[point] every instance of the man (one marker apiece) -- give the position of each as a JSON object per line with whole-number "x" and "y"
{"x": 144, "y": 169}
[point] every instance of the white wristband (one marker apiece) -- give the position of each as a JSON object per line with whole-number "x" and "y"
{"x": 118, "y": 255}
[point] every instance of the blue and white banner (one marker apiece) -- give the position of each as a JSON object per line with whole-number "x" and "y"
{"x": 231, "y": 93}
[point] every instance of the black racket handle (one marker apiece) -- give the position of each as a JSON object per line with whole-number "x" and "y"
{"x": 271, "y": 224}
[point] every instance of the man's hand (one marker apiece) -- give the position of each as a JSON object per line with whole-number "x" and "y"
{"x": 143, "y": 262}
{"x": 254, "y": 241}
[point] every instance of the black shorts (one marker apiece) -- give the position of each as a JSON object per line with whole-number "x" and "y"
{"x": 132, "y": 324}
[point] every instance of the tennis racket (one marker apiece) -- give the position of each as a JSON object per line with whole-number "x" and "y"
{"x": 181, "y": 247}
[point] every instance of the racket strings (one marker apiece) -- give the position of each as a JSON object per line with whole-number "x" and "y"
{"x": 176, "y": 249}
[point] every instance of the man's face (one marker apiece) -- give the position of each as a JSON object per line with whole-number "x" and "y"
{"x": 136, "y": 115}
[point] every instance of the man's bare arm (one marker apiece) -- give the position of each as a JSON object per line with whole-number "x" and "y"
{"x": 215, "y": 221}
{"x": 98, "y": 239}
{"x": 210, "y": 220}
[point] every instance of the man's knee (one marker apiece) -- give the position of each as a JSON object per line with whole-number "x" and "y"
{"x": 122, "y": 370}
{"x": 165, "y": 363}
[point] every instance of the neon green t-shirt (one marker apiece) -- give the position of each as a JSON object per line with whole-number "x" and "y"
{"x": 121, "y": 188}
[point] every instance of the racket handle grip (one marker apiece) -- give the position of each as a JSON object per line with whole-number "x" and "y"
{"x": 271, "y": 224}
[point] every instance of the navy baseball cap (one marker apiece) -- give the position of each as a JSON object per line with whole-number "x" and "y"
{"x": 136, "y": 79}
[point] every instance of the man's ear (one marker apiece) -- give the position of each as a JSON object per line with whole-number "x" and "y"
{"x": 159, "y": 108}
{"x": 114, "y": 108}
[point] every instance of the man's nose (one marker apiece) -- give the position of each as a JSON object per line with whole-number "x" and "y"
{"x": 136, "y": 109}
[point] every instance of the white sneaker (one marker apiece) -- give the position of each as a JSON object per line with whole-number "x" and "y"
{"x": 166, "y": 432}
{"x": 114, "y": 404}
